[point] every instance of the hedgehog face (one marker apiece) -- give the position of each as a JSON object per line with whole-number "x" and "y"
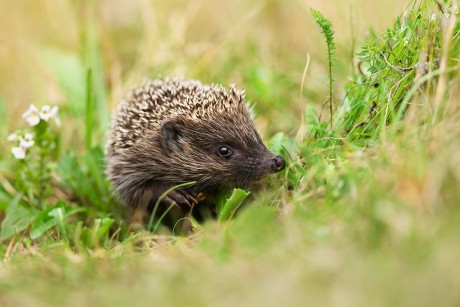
{"x": 223, "y": 151}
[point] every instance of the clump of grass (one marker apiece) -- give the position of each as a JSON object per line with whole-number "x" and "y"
{"x": 394, "y": 68}
{"x": 390, "y": 65}
{"x": 397, "y": 73}
{"x": 328, "y": 31}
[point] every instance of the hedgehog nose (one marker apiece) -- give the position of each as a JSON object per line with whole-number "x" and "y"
{"x": 278, "y": 164}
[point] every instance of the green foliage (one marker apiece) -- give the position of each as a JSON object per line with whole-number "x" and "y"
{"x": 84, "y": 175}
{"x": 394, "y": 68}
{"x": 35, "y": 151}
{"x": 390, "y": 65}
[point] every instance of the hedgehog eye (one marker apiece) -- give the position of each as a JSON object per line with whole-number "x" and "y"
{"x": 225, "y": 152}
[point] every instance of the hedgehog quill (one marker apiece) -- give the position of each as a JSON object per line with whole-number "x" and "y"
{"x": 173, "y": 131}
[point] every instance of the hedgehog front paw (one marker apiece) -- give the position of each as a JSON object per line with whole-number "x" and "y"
{"x": 177, "y": 197}
{"x": 180, "y": 198}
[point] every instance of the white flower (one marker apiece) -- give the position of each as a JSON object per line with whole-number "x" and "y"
{"x": 19, "y": 152}
{"x": 27, "y": 141}
{"x": 12, "y": 137}
{"x": 54, "y": 112}
{"x": 32, "y": 116}
{"x": 47, "y": 112}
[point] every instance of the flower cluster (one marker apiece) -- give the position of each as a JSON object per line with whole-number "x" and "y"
{"x": 25, "y": 141}
{"x": 33, "y": 116}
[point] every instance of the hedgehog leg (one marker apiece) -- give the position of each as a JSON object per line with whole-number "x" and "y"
{"x": 178, "y": 196}
{"x": 177, "y": 201}
{"x": 140, "y": 212}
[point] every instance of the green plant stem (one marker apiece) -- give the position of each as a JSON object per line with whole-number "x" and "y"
{"x": 326, "y": 27}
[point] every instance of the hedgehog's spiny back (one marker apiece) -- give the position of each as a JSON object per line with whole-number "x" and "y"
{"x": 155, "y": 102}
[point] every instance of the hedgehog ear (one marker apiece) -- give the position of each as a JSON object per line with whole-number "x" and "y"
{"x": 170, "y": 136}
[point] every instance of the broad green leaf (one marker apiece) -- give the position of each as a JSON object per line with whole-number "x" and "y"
{"x": 40, "y": 227}
{"x": 228, "y": 209}
{"x": 17, "y": 219}
{"x": 69, "y": 72}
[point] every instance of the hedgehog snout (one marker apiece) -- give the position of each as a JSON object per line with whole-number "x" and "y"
{"x": 277, "y": 164}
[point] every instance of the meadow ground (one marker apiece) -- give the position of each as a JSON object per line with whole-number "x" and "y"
{"x": 366, "y": 213}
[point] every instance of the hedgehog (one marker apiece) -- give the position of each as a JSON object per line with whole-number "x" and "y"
{"x": 173, "y": 131}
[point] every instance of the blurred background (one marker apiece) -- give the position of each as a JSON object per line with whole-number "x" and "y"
{"x": 47, "y": 46}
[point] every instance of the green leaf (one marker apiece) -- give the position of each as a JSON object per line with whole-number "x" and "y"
{"x": 69, "y": 72}
{"x": 17, "y": 218}
{"x": 43, "y": 222}
{"x": 276, "y": 143}
{"x": 102, "y": 226}
{"x": 228, "y": 209}
{"x": 282, "y": 145}
{"x": 59, "y": 216}
{"x": 5, "y": 197}
{"x": 40, "y": 227}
